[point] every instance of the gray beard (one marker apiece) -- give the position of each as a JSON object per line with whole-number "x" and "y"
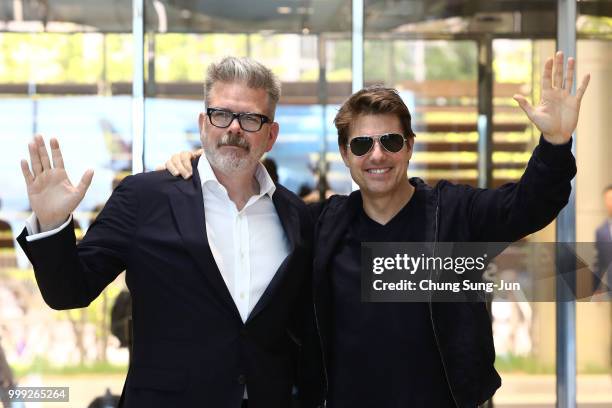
{"x": 227, "y": 163}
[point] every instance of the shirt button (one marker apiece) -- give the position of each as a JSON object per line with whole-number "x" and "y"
{"x": 241, "y": 295}
{"x": 242, "y": 379}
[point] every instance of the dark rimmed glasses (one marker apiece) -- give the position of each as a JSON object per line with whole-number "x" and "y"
{"x": 249, "y": 122}
{"x": 391, "y": 142}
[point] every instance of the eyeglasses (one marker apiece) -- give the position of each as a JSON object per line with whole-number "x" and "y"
{"x": 249, "y": 122}
{"x": 392, "y": 142}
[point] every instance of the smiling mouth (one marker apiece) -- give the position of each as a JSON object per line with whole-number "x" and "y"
{"x": 379, "y": 171}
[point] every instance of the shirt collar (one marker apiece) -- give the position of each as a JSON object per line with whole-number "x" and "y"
{"x": 266, "y": 185}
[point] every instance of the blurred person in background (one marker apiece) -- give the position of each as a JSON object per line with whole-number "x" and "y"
{"x": 6, "y": 377}
{"x": 603, "y": 245}
{"x": 602, "y": 281}
{"x": 6, "y": 374}
{"x": 4, "y": 225}
{"x": 272, "y": 168}
{"x": 304, "y": 190}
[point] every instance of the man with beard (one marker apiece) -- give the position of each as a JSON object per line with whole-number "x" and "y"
{"x": 421, "y": 354}
{"x": 217, "y": 266}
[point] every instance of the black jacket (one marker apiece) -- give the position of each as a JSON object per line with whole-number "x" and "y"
{"x": 190, "y": 346}
{"x": 454, "y": 213}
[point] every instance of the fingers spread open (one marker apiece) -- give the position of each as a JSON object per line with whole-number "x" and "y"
{"x": 569, "y": 75}
{"x": 558, "y": 70}
{"x": 34, "y": 158}
{"x": 583, "y": 87}
{"x": 42, "y": 152}
{"x": 85, "y": 182}
{"x": 56, "y": 154}
{"x": 547, "y": 75}
{"x": 524, "y": 104}
{"x": 27, "y": 175}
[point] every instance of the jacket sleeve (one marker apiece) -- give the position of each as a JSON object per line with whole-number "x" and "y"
{"x": 514, "y": 210}
{"x": 71, "y": 276}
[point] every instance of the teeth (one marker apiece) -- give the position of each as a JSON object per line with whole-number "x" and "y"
{"x": 378, "y": 171}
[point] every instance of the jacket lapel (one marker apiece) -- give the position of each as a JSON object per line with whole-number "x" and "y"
{"x": 290, "y": 220}
{"x": 188, "y": 208}
{"x": 431, "y": 210}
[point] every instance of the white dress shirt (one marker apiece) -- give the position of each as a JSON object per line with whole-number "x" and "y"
{"x": 248, "y": 245}
{"x": 33, "y": 231}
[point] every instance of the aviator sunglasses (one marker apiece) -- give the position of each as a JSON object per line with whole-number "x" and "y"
{"x": 391, "y": 142}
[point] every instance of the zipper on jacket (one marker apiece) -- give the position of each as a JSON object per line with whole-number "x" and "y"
{"x": 324, "y": 361}
{"x": 433, "y": 325}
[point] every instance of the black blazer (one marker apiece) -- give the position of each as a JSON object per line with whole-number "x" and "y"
{"x": 190, "y": 346}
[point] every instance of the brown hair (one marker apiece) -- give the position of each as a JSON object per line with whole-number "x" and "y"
{"x": 371, "y": 100}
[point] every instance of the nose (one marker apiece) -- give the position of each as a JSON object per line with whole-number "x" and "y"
{"x": 377, "y": 152}
{"x": 234, "y": 126}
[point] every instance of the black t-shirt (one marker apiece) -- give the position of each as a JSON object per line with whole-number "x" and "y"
{"x": 383, "y": 355}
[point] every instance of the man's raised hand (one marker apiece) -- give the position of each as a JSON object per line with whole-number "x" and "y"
{"x": 557, "y": 114}
{"x": 52, "y": 196}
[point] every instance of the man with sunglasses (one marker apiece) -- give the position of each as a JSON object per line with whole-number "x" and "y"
{"x": 218, "y": 267}
{"x": 420, "y": 354}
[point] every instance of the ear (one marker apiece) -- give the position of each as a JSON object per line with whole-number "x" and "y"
{"x": 410, "y": 146}
{"x": 344, "y": 154}
{"x": 202, "y": 122}
{"x": 272, "y": 135}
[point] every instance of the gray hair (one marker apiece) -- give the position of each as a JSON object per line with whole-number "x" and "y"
{"x": 245, "y": 70}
